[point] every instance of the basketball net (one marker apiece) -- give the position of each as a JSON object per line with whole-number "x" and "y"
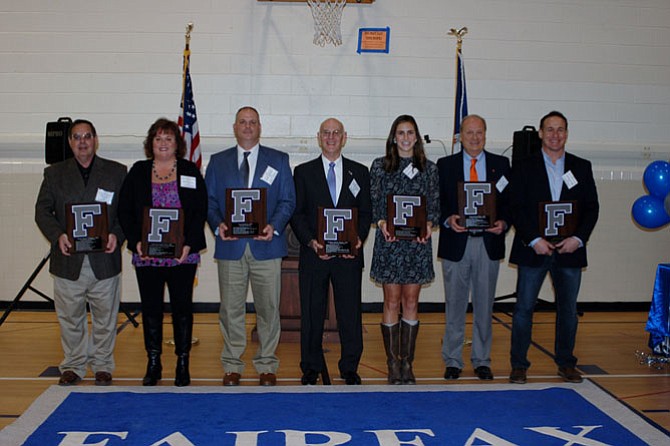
{"x": 327, "y": 21}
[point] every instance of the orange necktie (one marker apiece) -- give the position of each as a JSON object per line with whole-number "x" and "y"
{"x": 473, "y": 171}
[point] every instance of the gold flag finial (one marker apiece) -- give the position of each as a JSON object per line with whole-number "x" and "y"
{"x": 189, "y": 28}
{"x": 459, "y": 33}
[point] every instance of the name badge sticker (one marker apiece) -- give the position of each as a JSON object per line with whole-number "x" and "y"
{"x": 569, "y": 180}
{"x": 187, "y": 182}
{"x": 354, "y": 188}
{"x": 410, "y": 171}
{"x": 502, "y": 184}
{"x": 269, "y": 175}
{"x": 104, "y": 196}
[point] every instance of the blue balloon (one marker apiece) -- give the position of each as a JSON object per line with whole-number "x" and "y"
{"x": 649, "y": 212}
{"x": 657, "y": 178}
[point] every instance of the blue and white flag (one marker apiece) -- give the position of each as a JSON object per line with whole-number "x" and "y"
{"x": 461, "y": 100}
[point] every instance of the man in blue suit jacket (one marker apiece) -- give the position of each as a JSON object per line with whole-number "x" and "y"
{"x": 471, "y": 258}
{"x": 550, "y": 175}
{"x": 250, "y": 260}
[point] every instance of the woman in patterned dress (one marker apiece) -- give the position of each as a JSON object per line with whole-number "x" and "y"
{"x": 165, "y": 180}
{"x": 402, "y": 266}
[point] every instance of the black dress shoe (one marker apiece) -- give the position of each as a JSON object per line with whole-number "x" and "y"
{"x": 351, "y": 378}
{"x": 309, "y": 378}
{"x": 484, "y": 372}
{"x": 452, "y": 373}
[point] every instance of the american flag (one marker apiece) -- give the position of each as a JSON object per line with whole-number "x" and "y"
{"x": 461, "y": 100}
{"x": 188, "y": 120}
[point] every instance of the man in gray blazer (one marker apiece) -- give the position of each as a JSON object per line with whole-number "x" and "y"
{"x": 79, "y": 278}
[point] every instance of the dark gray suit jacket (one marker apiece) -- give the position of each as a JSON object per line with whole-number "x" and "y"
{"x": 63, "y": 184}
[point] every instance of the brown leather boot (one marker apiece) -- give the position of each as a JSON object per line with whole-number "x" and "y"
{"x": 391, "y": 336}
{"x": 407, "y": 346}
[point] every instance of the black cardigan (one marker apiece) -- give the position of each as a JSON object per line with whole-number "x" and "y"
{"x": 136, "y": 195}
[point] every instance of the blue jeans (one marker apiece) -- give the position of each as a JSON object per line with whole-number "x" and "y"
{"x": 566, "y": 283}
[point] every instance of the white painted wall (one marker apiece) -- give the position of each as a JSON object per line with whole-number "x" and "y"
{"x": 604, "y": 63}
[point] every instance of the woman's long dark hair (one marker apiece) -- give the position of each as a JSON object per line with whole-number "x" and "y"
{"x": 392, "y": 158}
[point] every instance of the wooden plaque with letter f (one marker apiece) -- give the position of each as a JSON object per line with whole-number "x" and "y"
{"x": 87, "y": 227}
{"x": 162, "y": 232}
{"x": 337, "y": 231}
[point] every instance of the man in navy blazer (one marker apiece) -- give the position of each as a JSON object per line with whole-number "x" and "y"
{"x": 471, "y": 258}
{"x": 351, "y": 184}
{"x": 83, "y": 278}
{"x": 250, "y": 260}
{"x": 549, "y": 176}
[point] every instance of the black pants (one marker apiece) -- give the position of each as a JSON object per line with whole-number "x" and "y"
{"x": 151, "y": 282}
{"x": 345, "y": 277}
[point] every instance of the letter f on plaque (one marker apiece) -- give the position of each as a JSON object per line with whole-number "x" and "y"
{"x": 242, "y": 203}
{"x": 556, "y": 213}
{"x": 83, "y": 218}
{"x": 474, "y": 196}
{"x": 335, "y": 219}
{"x": 404, "y": 208}
{"x": 160, "y": 223}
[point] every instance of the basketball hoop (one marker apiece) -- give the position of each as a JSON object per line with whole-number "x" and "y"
{"x": 327, "y": 21}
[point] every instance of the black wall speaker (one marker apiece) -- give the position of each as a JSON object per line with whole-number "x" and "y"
{"x": 56, "y": 146}
{"x": 526, "y": 142}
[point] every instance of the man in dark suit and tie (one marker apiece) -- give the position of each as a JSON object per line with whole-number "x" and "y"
{"x": 552, "y": 175}
{"x": 470, "y": 257}
{"x": 83, "y": 278}
{"x": 257, "y": 260}
{"x": 330, "y": 181}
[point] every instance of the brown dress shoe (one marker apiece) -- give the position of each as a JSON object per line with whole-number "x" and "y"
{"x": 570, "y": 375}
{"x": 69, "y": 378}
{"x": 268, "y": 379}
{"x": 231, "y": 379}
{"x": 518, "y": 376}
{"x": 103, "y": 378}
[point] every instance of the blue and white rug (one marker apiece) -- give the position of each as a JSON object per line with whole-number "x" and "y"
{"x": 501, "y": 415}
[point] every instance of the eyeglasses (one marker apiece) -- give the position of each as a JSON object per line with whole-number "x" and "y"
{"x": 85, "y": 136}
{"x": 329, "y": 133}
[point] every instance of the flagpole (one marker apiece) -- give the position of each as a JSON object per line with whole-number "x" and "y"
{"x": 187, "y": 58}
{"x": 460, "y": 93}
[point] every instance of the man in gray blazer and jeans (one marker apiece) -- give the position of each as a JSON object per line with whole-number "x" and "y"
{"x": 92, "y": 278}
